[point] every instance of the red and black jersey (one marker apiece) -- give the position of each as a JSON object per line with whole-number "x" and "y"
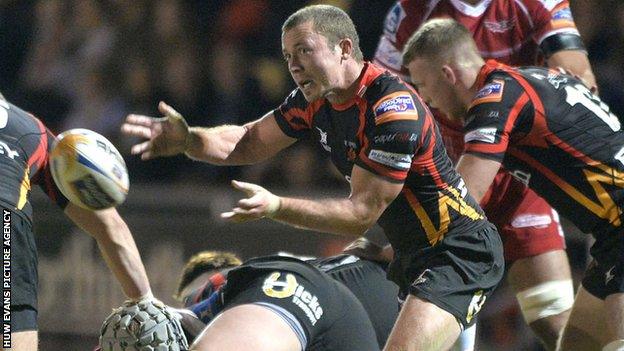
{"x": 550, "y": 131}
{"x": 24, "y": 146}
{"x": 386, "y": 129}
{"x": 514, "y": 32}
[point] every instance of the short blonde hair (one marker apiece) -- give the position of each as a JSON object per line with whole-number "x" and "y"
{"x": 329, "y": 21}
{"x": 437, "y": 40}
{"x": 203, "y": 262}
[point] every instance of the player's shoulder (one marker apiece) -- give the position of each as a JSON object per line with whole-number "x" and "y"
{"x": 386, "y": 83}
{"x": 17, "y": 121}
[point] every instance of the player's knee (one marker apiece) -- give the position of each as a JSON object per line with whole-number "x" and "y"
{"x": 617, "y": 345}
{"x": 546, "y": 299}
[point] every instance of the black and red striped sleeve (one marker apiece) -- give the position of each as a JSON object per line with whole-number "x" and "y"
{"x": 39, "y": 164}
{"x": 499, "y": 110}
{"x": 393, "y": 136}
{"x": 294, "y": 115}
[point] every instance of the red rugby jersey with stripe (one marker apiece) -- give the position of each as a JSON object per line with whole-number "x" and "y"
{"x": 510, "y": 31}
{"x": 387, "y": 130}
{"x": 549, "y": 130}
{"x": 25, "y": 143}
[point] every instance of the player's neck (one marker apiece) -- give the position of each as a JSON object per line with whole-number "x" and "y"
{"x": 349, "y": 85}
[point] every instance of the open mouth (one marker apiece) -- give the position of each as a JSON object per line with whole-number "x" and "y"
{"x": 305, "y": 84}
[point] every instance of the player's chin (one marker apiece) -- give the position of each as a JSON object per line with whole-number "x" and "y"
{"x": 312, "y": 95}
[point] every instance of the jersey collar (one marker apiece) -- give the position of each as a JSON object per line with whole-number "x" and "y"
{"x": 486, "y": 69}
{"x": 369, "y": 73}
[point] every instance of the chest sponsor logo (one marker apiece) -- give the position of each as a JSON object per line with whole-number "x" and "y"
{"x": 394, "y": 160}
{"x": 323, "y": 139}
{"x": 400, "y": 103}
{"x": 531, "y": 220}
{"x": 288, "y": 287}
{"x": 486, "y": 135}
{"x": 6, "y": 150}
{"x": 491, "y": 92}
{"x": 499, "y": 26}
{"x": 398, "y": 136}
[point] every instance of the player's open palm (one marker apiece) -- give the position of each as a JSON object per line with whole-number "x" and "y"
{"x": 166, "y": 135}
{"x": 259, "y": 203}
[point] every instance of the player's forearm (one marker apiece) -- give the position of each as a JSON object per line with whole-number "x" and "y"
{"x": 122, "y": 257}
{"x": 219, "y": 145}
{"x": 337, "y": 216}
{"x": 116, "y": 245}
{"x": 575, "y": 62}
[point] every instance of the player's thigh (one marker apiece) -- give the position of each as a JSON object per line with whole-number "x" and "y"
{"x": 24, "y": 341}
{"x": 421, "y": 325}
{"x": 532, "y": 271}
{"x": 246, "y": 325}
{"x": 587, "y": 326}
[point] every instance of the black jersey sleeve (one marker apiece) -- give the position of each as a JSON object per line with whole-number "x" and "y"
{"x": 41, "y": 162}
{"x": 494, "y": 115}
{"x": 393, "y": 136}
{"x": 294, "y": 115}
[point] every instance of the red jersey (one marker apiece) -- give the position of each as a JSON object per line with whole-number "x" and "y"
{"x": 510, "y": 31}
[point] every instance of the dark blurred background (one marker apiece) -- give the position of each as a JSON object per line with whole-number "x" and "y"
{"x": 88, "y": 63}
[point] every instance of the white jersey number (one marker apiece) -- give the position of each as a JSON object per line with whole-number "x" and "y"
{"x": 579, "y": 94}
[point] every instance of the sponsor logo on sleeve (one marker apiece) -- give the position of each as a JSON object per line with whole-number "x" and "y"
{"x": 394, "y": 160}
{"x": 491, "y": 92}
{"x": 562, "y": 17}
{"x": 275, "y": 287}
{"x": 399, "y": 103}
{"x": 486, "y": 135}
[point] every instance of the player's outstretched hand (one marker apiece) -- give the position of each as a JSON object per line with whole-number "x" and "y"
{"x": 166, "y": 136}
{"x": 258, "y": 203}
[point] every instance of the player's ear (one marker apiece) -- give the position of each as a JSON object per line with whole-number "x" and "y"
{"x": 449, "y": 74}
{"x": 346, "y": 48}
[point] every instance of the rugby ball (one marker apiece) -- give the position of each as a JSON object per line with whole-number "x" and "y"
{"x": 89, "y": 170}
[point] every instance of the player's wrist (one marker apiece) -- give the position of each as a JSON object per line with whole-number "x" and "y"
{"x": 148, "y": 296}
{"x": 275, "y": 205}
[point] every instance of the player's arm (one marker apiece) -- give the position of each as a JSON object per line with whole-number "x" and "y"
{"x": 478, "y": 174}
{"x": 352, "y": 216}
{"x": 575, "y": 62}
{"x": 223, "y": 145}
{"x": 368, "y": 250}
{"x": 116, "y": 245}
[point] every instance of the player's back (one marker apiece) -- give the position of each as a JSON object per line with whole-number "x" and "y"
{"x": 563, "y": 139}
{"x": 24, "y": 145}
{"x": 367, "y": 281}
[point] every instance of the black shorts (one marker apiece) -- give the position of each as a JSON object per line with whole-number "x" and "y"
{"x": 23, "y": 263}
{"x": 367, "y": 281}
{"x": 605, "y": 275}
{"x": 457, "y": 274}
{"x": 327, "y": 316}
{"x": 23, "y": 318}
